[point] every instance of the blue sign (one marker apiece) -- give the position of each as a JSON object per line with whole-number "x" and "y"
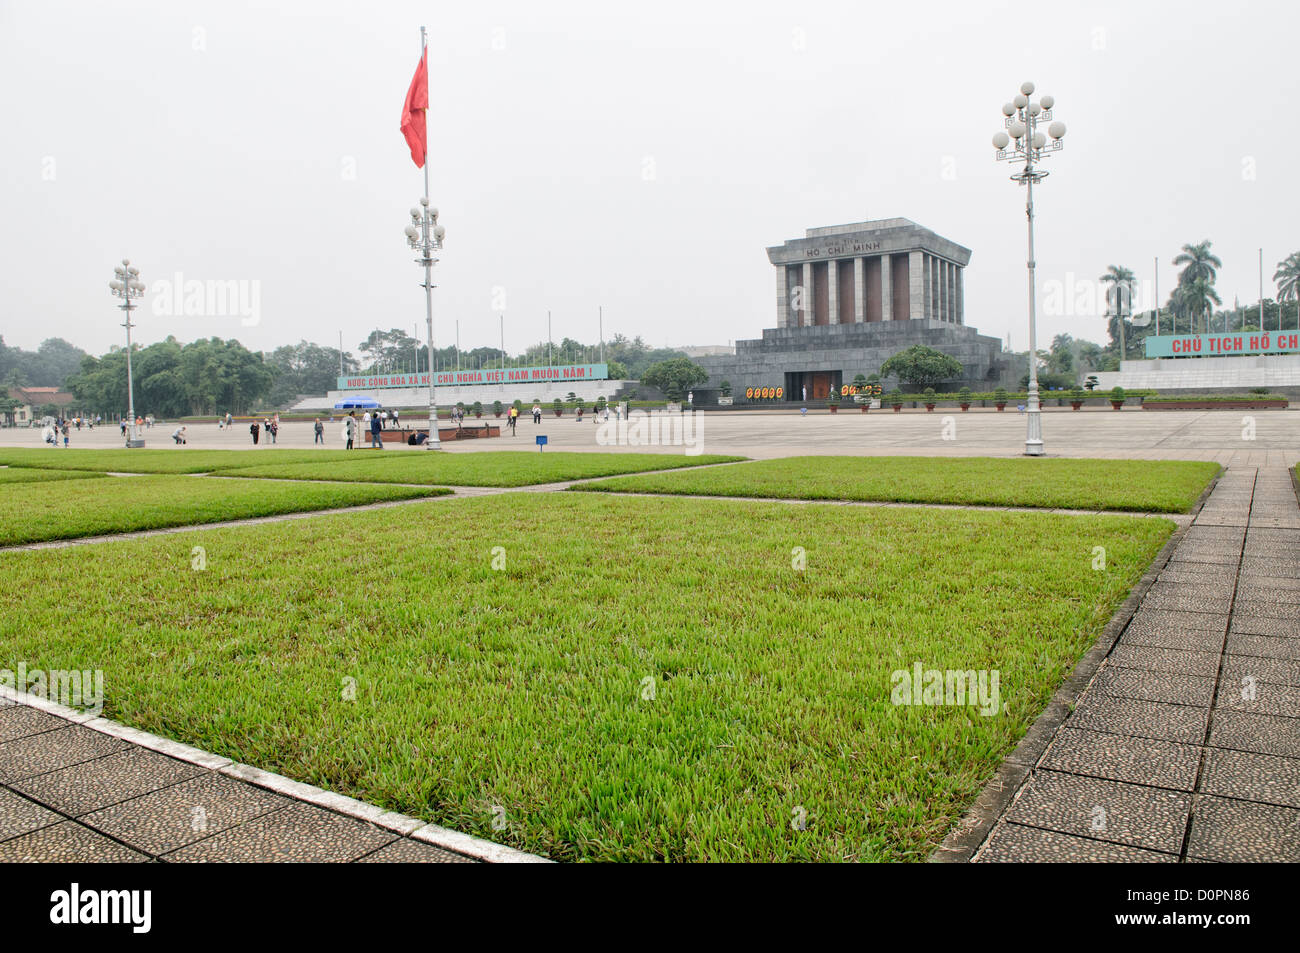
{"x": 541, "y": 441}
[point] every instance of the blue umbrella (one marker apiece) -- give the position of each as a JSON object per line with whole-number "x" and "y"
{"x": 357, "y": 403}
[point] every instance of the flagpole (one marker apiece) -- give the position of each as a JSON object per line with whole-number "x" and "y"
{"x": 433, "y": 442}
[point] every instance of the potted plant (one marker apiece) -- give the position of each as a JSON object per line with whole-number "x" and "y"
{"x": 1117, "y": 397}
{"x": 833, "y": 400}
{"x": 1076, "y": 398}
{"x": 601, "y": 404}
{"x": 963, "y": 398}
{"x": 558, "y": 407}
{"x": 1000, "y": 398}
{"x": 497, "y": 408}
{"x": 478, "y": 409}
{"x": 929, "y": 399}
{"x": 1091, "y": 382}
{"x": 896, "y": 400}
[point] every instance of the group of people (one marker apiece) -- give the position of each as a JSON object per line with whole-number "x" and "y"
{"x": 372, "y": 424}
{"x": 270, "y": 424}
{"x": 51, "y": 432}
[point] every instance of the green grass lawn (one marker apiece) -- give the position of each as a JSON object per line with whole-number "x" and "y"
{"x": 36, "y": 512}
{"x": 489, "y": 468}
{"x": 1137, "y": 485}
{"x": 170, "y": 460}
{"x": 35, "y": 475}
{"x": 387, "y": 659}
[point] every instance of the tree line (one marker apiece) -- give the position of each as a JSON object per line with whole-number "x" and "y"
{"x": 215, "y": 376}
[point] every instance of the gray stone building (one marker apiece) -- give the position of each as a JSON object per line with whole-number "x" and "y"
{"x": 848, "y": 297}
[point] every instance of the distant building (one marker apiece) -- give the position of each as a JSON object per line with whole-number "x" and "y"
{"x": 32, "y": 399}
{"x": 848, "y": 297}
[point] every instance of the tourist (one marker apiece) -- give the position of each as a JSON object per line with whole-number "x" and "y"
{"x": 537, "y": 413}
{"x": 179, "y": 435}
{"x": 273, "y": 428}
{"x": 383, "y": 419}
{"x": 376, "y": 438}
{"x": 255, "y": 429}
{"x": 395, "y": 420}
{"x": 65, "y": 435}
{"x": 511, "y": 419}
{"x": 123, "y": 426}
{"x": 320, "y": 432}
{"x": 229, "y": 420}
{"x": 350, "y": 428}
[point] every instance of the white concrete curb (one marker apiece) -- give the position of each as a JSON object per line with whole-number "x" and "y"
{"x": 413, "y": 827}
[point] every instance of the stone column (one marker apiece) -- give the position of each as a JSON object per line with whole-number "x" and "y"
{"x": 961, "y": 304}
{"x": 916, "y": 285}
{"x": 859, "y": 290}
{"x": 833, "y": 291}
{"x": 782, "y": 298}
{"x": 944, "y": 299}
{"x": 886, "y": 289}
{"x": 952, "y": 293}
{"x": 809, "y": 310}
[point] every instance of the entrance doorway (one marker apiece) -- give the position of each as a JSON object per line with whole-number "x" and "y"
{"x": 819, "y": 384}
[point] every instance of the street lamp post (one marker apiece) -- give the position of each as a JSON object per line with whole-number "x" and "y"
{"x": 1023, "y": 117}
{"x": 425, "y": 235}
{"x": 128, "y": 286}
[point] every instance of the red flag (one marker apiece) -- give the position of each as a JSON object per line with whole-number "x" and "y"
{"x": 417, "y": 101}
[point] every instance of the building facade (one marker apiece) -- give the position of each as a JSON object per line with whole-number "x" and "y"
{"x": 848, "y": 297}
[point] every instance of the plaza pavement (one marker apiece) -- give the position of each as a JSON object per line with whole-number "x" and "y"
{"x": 1184, "y": 746}
{"x": 1185, "y": 743}
{"x": 1221, "y": 435}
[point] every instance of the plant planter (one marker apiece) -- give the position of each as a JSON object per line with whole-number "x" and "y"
{"x": 498, "y": 415}
{"x": 965, "y": 407}
{"x": 559, "y": 413}
{"x": 865, "y": 408}
{"x": 898, "y": 408}
{"x": 1076, "y": 404}
{"x": 834, "y": 408}
{"x": 929, "y": 408}
{"x": 1116, "y": 404}
{"x": 1001, "y": 405}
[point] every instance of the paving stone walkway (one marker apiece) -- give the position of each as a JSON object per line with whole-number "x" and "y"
{"x": 74, "y": 788}
{"x": 1185, "y": 746}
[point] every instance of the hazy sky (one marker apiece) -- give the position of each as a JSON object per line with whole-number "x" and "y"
{"x": 635, "y": 156}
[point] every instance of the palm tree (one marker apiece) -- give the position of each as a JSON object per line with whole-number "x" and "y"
{"x": 1203, "y": 264}
{"x": 1119, "y": 277}
{"x": 1198, "y": 295}
{"x": 1287, "y": 277}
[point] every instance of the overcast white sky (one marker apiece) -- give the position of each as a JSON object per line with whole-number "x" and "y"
{"x": 259, "y": 142}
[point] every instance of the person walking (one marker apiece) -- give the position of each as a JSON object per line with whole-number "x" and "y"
{"x": 320, "y": 432}
{"x": 396, "y": 422}
{"x": 350, "y": 428}
{"x": 512, "y": 418}
{"x": 255, "y": 429}
{"x": 376, "y": 432}
{"x": 65, "y": 435}
{"x": 537, "y": 413}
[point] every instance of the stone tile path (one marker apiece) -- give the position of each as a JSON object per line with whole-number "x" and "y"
{"x": 1186, "y": 744}
{"x": 74, "y": 788}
